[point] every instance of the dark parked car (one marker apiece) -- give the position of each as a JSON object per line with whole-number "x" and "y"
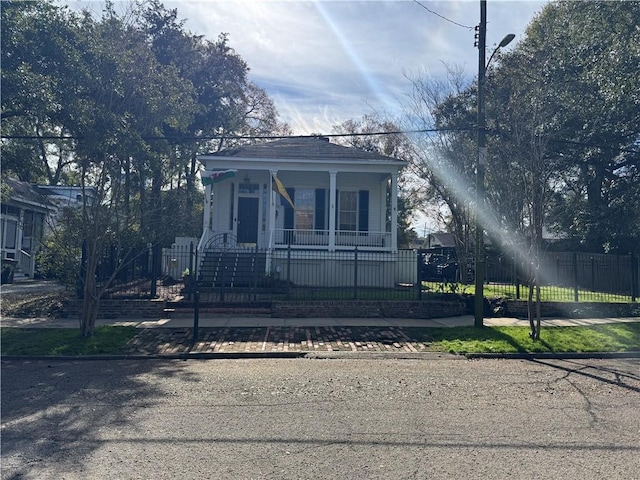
{"x": 438, "y": 268}
{"x": 441, "y": 265}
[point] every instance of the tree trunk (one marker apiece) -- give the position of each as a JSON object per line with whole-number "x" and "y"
{"x": 191, "y": 187}
{"x": 91, "y": 299}
{"x": 90, "y": 306}
{"x": 536, "y": 247}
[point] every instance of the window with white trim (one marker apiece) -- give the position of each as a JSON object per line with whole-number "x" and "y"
{"x": 305, "y": 207}
{"x": 348, "y": 211}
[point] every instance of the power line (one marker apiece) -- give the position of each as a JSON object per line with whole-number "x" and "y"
{"x": 328, "y": 135}
{"x": 443, "y": 17}
{"x": 245, "y": 137}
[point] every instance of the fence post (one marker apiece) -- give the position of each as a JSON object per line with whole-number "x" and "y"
{"x": 189, "y": 292}
{"x": 288, "y": 269}
{"x": 635, "y": 269}
{"x": 518, "y": 269}
{"x": 196, "y": 300}
{"x": 154, "y": 269}
{"x": 355, "y": 274}
{"x": 574, "y": 261}
{"x": 223, "y": 273}
{"x": 593, "y": 274}
{"x": 419, "y": 274}
{"x": 254, "y": 279}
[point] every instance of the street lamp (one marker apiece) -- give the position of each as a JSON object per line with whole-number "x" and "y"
{"x": 480, "y": 266}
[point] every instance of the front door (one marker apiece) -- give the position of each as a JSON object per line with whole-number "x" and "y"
{"x": 247, "y": 220}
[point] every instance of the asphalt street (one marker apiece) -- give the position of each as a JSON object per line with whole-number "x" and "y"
{"x": 446, "y": 417}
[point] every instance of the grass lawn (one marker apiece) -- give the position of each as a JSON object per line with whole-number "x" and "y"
{"x": 556, "y": 294}
{"x": 620, "y": 337}
{"x": 64, "y": 341}
{"x": 547, "y": 293}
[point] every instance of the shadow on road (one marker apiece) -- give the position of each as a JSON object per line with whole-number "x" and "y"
{"x": 604, "y": 374}
{"x": 48, "y": 412}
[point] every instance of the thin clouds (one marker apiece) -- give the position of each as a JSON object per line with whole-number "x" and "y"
{"x": 327, "y": 61}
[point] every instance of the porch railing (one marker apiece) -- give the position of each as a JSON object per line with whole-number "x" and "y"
{"x": 301, "y": 238}
{"x": 26, "y": 262}
{"x": 321, "y": 239}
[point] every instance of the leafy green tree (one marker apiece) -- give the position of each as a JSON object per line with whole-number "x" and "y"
{"x": 120, "y": 105}
{"x": 588, "y": 53}
{"x": 228, "y": 104}
{"x": 38, "y": 45}
{"x": 565, "y": 132}
{"x": 61, "y": 253}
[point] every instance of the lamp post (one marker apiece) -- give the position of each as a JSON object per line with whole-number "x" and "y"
{"x": 480, "y": 261}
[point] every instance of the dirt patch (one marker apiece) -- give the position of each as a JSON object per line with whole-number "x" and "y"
{"x": 32, "y": 300}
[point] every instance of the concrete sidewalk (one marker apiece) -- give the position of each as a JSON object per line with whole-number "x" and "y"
{"x": 221, "y": 336}
{"x": 261, "y": 321}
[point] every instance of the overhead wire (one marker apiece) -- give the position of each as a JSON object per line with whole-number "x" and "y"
{"x": 443, "y": 17}
{"x": 247, "y": 137}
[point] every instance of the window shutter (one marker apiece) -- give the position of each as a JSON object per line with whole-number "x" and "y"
{"x": 288, "y": 211}
{"x": 231, "y": 212}
{"x": 320, "y": 212}
{"x": 363, "y": 211}
{"x": 337, "y": 199}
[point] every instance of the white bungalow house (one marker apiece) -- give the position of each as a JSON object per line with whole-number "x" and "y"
{"x": 293, "y": 196}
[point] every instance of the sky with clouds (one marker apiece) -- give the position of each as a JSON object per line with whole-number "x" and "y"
{"x": 324, "y": 62}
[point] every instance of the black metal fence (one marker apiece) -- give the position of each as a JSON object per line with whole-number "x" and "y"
{"x": 568, "y": 276}
{"x": 130, "y": 272}
{"x": 257, "y": 275}
{"x": 244, "y": 276}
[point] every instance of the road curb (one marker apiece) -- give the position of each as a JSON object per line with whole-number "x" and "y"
{"x": 424, "y": 356}
{"x": 552, "y": 355}
{"x": 246, "y": 356}
{"x": 161, "y": 356}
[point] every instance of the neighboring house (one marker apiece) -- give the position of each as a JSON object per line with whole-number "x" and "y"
{"x": 440, "y": 239}
{"x": 66, "y": 195}
{"x": 23, "y": 221}
{"x": 28, "y": 213}
{"x": 300, "y": 194}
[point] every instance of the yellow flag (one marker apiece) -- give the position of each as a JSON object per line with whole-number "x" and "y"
{"x": 281, "y": 190}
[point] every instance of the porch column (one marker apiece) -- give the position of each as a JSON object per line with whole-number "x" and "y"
{"x": 394, "y": 212}
{"x": 332, "y": 210}
{"x": 272, "y": 207}
{"x": 206, "y": 218}
{"x": 207, "y": 209}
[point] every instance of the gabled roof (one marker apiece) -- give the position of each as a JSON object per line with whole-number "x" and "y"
{"x": 303, "y": 148}
{"x": 25, "y": 194}
{"x": 441, "y": 239}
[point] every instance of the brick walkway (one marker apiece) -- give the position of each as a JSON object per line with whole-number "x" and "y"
{"x": 279, "y": 339}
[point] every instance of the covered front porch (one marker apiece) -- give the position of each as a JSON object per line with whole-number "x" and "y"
{"x": 321, "y": 210}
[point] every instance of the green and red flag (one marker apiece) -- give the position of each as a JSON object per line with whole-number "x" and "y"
{"x": 218, "y": 176}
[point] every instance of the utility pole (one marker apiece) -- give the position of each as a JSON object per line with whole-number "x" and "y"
{"x": 482, "y": 157}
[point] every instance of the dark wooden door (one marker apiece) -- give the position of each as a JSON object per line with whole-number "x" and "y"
{"x": 247, "y": 220}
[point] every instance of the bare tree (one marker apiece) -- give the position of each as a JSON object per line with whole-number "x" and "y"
{"x": 442, "y": 161}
